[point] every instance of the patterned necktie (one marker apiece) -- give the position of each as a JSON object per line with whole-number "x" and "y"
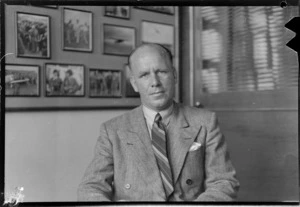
{"x": 160, "y": 151}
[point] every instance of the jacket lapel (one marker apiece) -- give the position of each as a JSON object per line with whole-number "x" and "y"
{"x": 137, "y": 137}
{"x": 181, "y": 137}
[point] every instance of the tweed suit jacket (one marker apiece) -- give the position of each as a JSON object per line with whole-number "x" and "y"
{"x": 124, "y": 166}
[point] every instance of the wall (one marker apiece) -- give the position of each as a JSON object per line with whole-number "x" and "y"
{"x": 47, "y": 152}
{"x": 96, "y": 59}
{"x": 264, "y": 149}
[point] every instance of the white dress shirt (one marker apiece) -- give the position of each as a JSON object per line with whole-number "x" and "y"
{"x": 150, "y": 114}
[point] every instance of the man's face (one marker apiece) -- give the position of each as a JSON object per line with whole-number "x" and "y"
{"x": 55, "y": 75}
{"x": 154, "y": 78}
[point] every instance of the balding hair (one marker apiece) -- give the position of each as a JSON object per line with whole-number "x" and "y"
{"x": 163, "y": 51}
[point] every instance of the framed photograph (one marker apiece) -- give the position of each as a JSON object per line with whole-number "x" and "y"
{"x": 163, "y": 34}
{"x": 161, "y": 9}
{"x": 22, "y": 80}
{"x": 33, "y": 35}
{"x": 129, "y": 91}
{"x": 64, "y": 80}
{"x": 118, "y": 40}
{"x": 122, "y": 12}
{"x": 105, "y": 83}
{"x": 77, "y": 30}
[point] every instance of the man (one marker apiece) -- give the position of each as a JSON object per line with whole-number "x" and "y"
{"x": 77, "y": 30}
{"x": 108, "y": 81}
{"x": 115, "y": 86}
{"x": 55, "y": 84}
{"x": 101, "y": 84}
{"x": 70, "y": 84}
{"x": 161, "y": 150}
{"x": 69, "y": 31}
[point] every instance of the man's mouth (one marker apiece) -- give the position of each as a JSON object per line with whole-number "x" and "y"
{"x": 157, "y": 93}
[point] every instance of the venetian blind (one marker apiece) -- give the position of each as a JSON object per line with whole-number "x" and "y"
{"x": 253, "y": 39}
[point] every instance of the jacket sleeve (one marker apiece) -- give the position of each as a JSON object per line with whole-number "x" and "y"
{"x": 97, "y": 181}
{"x": 220, "y": 180}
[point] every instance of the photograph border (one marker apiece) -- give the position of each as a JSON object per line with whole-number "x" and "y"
{"x": 48, "y": 33}
{"x": 154, "y": 10}
{"x": 63, "y": 96}
{"x": 129, "y": 14}
{"x": 39, "y": 81}
{"x": 116, "y": 25}
{"x": 50, "y": 6}
{"x": 105, "y": 96}
{"x": 64, "y": 48}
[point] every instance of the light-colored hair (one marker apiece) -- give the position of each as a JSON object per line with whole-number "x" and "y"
{"x": 163, "y": 51}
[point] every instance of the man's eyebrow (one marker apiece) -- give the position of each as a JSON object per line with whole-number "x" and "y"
{"x": 142, "y": 72}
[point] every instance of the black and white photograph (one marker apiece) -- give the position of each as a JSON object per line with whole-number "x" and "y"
{"x": 22, "y": 80}
{"x": 140, "y": 103}
{"x": 162, "y": 9}
{"x": 118, "y": 40}
{"x": 129, "y": 91}
{"x": 105, "y": 83}
{"x": 153, "y": 32}
{"x": 64, "y": 80}
{"x": 33, "y": 35}
{"x": 77, "y": 30}
{"x": 122, "y": 12}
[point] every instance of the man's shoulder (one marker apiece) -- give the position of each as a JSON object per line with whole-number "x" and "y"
{"x": 122, "y": 120}
{"x": 194, "y": 110}
{"x": 196, "y": 115}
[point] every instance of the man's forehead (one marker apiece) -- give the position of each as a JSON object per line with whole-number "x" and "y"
{"x": 147, "y": 51}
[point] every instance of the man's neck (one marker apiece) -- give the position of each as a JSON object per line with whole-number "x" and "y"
{"x": 166, "y": 113}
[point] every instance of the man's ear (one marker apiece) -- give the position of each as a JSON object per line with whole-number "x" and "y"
{"x": 175, "y": 75}
{"x": 132, "y": 81}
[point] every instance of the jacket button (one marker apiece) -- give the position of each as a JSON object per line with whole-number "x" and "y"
{"x": 189, "y": 182}
{"x": 127, "y": 186}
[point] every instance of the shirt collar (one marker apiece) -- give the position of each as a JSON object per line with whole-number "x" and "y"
{"x": 165, "y": 114}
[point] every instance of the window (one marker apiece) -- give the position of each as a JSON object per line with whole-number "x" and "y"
{"x": 244, "y": 49}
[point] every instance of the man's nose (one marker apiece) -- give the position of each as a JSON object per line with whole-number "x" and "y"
{"x": 155, "y": 80}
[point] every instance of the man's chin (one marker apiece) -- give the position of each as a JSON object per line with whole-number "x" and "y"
{"x": 161, "y": 104}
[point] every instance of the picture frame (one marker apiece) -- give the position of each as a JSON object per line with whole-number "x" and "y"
{"x": 154, "y": 32}
{"x": 51, "y": 6}
{"x": 122, "y": 12}
{"x": 47, "y": 6}
{"x": 170, "y": 10}
{"x": 32, "y": 35}
{"x": 22, "y": 80}
{"x": 77, "y": 30}
{"x": 105, "y": 83}
{"x": 64, "y": 80}
{"x": 118, "y": 40}
{"x": 129, "y": 91}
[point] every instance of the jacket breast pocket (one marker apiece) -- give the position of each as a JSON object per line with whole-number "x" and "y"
{"x": 192, "y": 174}
{"x": 194, "y": 163}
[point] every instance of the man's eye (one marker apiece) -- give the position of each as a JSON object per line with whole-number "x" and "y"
{"x": 143, "y": 75}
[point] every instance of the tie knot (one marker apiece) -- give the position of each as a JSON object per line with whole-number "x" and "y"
{"x": 157, "y": 118}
